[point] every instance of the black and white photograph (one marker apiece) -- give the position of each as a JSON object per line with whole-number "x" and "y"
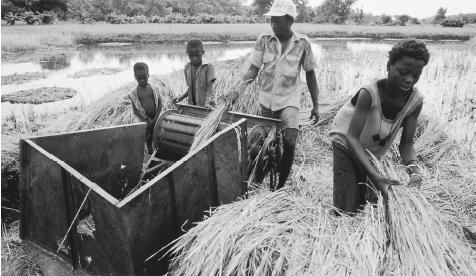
{"x": 238, "y": 137}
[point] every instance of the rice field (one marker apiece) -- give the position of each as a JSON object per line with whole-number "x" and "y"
{"x": 295, "y": 231}
{"x": 25, "y": 37}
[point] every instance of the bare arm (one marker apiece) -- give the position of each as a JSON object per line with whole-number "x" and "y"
{"x": 311, "y": 81}
{"x": 251, "y": 74}
{"x": 209, "y": 98}
{"x": 407, "y": 147}
{"x": 357, "y": 124}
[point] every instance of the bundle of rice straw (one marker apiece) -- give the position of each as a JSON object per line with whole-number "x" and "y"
{"x": 294, "y": 232}
{"x": 420, "y": 240}
{"x": 281, "y": 233}
{"x": 451, "y": 189}
{"x": 208, "y": 127}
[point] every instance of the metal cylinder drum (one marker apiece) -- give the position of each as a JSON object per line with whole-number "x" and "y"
{"x": 173, "y": 134}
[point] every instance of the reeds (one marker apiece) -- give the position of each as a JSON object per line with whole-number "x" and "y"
{"x": 282, "y": 233}
{"x": 422, "y": 242}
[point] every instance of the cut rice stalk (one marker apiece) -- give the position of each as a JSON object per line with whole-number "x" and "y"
{"x": 208, "y": 127}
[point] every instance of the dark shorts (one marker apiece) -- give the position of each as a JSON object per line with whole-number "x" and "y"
{"x": 350, "y": 182}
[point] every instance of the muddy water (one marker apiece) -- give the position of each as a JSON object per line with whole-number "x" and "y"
{"x": 117, "y": 62}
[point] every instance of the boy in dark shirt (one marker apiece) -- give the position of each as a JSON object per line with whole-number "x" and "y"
{"x": 199, "y": 76}
{"x": 146, "y": 101}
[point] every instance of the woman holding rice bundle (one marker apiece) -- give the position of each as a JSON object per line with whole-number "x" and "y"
{"x": 370, "y": 120}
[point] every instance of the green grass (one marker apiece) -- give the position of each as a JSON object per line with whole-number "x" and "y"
{"x": 26, "y": 37}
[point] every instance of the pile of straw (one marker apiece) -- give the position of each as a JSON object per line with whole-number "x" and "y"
{"x": 278, "y": 233}
{"x": 433, "y": 144}
{"x": 421, "y": 241}
{"x": 289, "y": 233}
{"x": 295, "y": 232}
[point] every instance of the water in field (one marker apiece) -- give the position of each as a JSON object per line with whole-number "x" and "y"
{"x": 448, "y": 81}
{"x": 119, "y": 60}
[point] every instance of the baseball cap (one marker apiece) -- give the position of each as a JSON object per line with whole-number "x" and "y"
{"x": 281, "y": 8}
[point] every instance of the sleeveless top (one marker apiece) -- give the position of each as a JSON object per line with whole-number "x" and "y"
{"x": 378, "y": 132}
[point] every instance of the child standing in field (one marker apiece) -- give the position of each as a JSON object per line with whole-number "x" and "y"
{"x": 146, "y": 101}
{"x": 370, "y": 121}
{"x": 199, "y": 76}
